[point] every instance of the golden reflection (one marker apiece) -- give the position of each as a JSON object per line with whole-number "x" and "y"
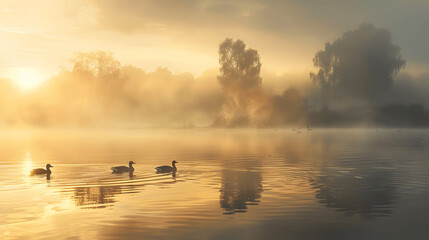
{"x": 289, "y": 177}
{"x": 95, "y": 197}
{"x": 27, "y": 163}
{"x": 240, "y": 189}
{"x": 57, "y": 207}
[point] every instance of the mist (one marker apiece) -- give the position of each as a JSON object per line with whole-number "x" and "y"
{"x": 99, "y": 91}
{"x": 357, "y": 83}
{"x": 409, "y": 89}
{"x": 359, "y": 66}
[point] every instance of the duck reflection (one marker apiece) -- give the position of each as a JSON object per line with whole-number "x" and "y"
{"x": 239, "y": 189}
{"x": 370, "y": 196}
{"x": 105, "y": 195}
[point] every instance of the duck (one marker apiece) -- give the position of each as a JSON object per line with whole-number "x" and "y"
{"x": 121, "y": 169}
{"x": 167, "y": 169}
{"x": 39, "y": 171}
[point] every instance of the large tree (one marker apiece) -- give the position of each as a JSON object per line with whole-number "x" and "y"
{"x": 240, "y": 80}
{"x": 361, "y": 63}
{"x": 239, "y": 67}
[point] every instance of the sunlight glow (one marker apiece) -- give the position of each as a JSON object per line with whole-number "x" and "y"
{"x": 28, "y": 78}
{"x": 28, "y": 163}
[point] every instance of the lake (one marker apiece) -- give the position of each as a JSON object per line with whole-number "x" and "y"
{"x": 230, "y": 184}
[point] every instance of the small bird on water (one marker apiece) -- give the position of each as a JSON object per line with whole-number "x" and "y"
{"x": 39, "y": 171}
{"x": 121, "y": 169}
{"x": 167, "y": 169}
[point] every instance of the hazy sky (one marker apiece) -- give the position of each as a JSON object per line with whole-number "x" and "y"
{"x": 184, "y": 35}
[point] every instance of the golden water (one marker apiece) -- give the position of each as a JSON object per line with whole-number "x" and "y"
{"x": 230, "y": 184}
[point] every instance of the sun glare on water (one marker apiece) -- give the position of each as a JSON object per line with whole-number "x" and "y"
{"x": 27, "y": 163}
{"x": 28, "y": 78}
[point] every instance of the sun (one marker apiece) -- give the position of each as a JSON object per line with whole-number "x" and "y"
{"x": 28, "y": 78}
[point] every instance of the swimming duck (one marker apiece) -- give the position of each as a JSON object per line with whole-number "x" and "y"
{"x": 38, "y": 171}
{"x": 121, "y": 169}
{"x": 167, "y": 169}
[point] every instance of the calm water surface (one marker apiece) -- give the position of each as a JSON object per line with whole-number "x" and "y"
{"x": 230, "y": 184}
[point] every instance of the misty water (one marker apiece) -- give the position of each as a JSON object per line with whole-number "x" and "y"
{"x": 230, "y": 184}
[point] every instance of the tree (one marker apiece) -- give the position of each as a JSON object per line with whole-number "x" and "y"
{"x": 99, "y": 63}
{"x": 361, "y": 63}
{"x": 102, "y": 70}
{"x": 239, "y": 67}
{"x": 240, "y": 80}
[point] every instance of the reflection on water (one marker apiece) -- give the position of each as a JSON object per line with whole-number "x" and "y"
{"x": 28, "y": 164}
{"x": 369, "y": 195}
{"x": 239, "y": 189}
{"x": 96, "y": 197}
{"x": 324, "y": 184}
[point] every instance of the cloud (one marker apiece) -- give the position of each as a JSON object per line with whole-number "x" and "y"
{"x": 286, "y": 25}
{"x": 143, "y": 33}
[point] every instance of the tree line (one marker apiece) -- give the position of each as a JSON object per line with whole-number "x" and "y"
{"x": 357, "y": 81}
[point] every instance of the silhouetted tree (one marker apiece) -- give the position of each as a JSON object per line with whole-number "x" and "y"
{"x": 240, "y": 80}
{"x": 361, "y": 63}
{"x": 239, "y": 67}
